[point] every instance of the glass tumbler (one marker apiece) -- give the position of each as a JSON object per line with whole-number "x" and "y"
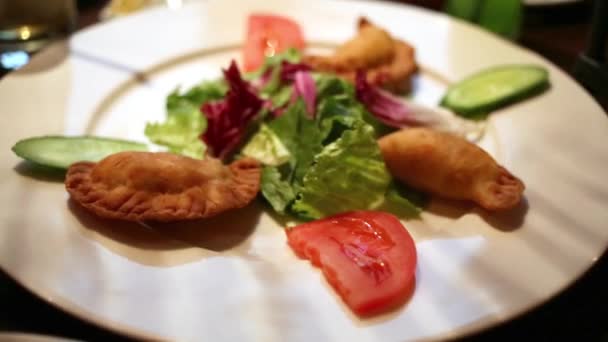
{"x": 28, "y": 25}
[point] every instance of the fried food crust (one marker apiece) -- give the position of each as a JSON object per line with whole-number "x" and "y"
{"x": 449, "y": 166}
{"x": 390, "y": 63}
{"x": 146, "y": 186}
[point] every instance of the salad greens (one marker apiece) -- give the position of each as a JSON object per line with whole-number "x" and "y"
{"x": 334, "y": 166}
{"x": 277, "y": 189}
{"x": 315, "y": 138}
{"x": 348, "y": 173}
{"x": 199, "y": 94}
{"x": 334, "y": 162}
{"x": 185, "y": 123}
{"x": 230, "y": 119}
{"x": 290, "y": 55}
{"x": 266, "y": 147}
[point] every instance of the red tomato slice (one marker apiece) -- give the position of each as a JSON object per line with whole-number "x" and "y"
{"x": 268, "y": 35}
{"x": 368, "y": 257}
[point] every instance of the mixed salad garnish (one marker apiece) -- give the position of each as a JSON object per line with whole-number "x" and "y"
{"x": 312, "y": 131}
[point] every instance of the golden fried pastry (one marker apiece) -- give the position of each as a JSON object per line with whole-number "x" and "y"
{"x": 389, "y": 62}
{"x": 394, "y": 76}
{"x": 449, "y": 166}
{"x": 140, "y": 186}
{"x": 371, "y": 47}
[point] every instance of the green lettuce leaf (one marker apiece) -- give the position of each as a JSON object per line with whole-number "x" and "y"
{"x": 266, "y": 147}
{"x": 334, "y": 163}
{"x": 338, "y": 101}
{"x": 329, "y": 85}
{"x": 281, "y": 97}
{"x": 180, "y": 132}
{"x": 274, "y": 84}
{"x": 277, "y": 190}
{"x": 185, "y": 123}
{"x": 285, "y": 127}
{"x": 291, "y": 55}
{"x": 403, "y": 201}
{"x": 300, "y": 135}
{"x": 334, "y": 117}
{"x": 348, "y": 174}
{"x": 278, "y": 92}
{"x": 197, "y": 95}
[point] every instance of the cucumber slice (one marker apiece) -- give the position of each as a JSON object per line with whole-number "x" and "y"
{"x": 60, "y": 151}
{"x": 494, "y": 88}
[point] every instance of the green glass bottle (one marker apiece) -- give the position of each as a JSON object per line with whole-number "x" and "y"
{"x": 464, "y": 9}
{"x": 503, "y": 17}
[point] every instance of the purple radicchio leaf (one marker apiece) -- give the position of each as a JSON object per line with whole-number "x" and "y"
{"x": 227, "y": 119}
{"x": 304, "y": 87}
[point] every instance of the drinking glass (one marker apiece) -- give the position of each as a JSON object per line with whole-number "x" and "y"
{"x": 28, "y": 25}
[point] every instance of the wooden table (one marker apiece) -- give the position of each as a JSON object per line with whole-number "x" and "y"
{"x": 580, "y": 313}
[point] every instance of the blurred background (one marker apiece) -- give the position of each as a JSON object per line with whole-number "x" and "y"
{"x": 570, "y": 33}
{"x": 563, "y": 31}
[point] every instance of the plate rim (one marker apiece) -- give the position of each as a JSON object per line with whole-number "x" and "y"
{"x": 463, "y": 331}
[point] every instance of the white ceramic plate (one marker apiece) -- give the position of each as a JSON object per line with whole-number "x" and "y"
{"x": 236, "y": 279}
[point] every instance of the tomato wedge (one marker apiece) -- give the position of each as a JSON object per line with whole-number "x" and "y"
{"x": 268, "y": 35}
{"x": 368, "y": 257}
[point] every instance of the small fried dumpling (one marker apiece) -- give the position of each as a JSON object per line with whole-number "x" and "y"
{"x": 449, "y": 166}
{"x": 389, "y": 62}
{"x": 371, "y": 47}
{"x": 141, "y": 186}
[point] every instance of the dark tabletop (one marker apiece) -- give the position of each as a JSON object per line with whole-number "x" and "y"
{"x": 580, "y": 313}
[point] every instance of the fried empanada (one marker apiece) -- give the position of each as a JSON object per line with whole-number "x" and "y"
{"x": 141, "y": 186}
{"x": 449, "y": 166}
{"x": 371, "y": 47}
{"x": 389, "y": 62}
